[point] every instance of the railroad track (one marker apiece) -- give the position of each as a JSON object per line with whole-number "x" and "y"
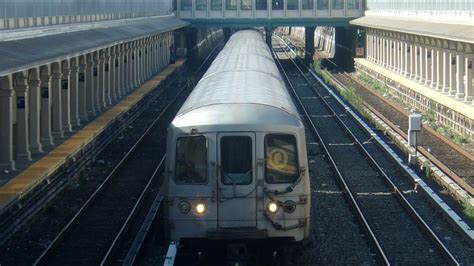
{"x": 450, "y": 158}
{"x": 457, "y": 163}
{"x": 87, "y": 237}
{"x": 377, "y": 188}
{"x": 112, "y": 224}
{"x": 14, "y": 217}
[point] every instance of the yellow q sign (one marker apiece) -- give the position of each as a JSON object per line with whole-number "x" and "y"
{"x": 278, "y": 159}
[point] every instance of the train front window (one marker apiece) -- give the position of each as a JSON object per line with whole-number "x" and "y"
{"x": 191, "y": 160}
{"x": 236, "y": 160}
{"x": 281, "y": 159}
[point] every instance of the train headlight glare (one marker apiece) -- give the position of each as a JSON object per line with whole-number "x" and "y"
{"x": 200, "y": 208}
{"x": 184, "y": 207}
{"x": 272, "y": 207}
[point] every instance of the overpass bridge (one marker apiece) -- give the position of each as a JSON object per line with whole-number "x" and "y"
{"x": 269, "y": 13}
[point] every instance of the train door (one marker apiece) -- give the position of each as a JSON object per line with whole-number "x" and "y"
{"x": 236, "y": 180}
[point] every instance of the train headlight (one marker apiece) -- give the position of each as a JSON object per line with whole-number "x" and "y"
{"x": 184, "y": 207}
{"x": 200, "y": 208}
{"x": 272, "y": 207}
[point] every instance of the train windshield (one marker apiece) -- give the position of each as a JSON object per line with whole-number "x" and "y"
{"x": 236, "y": 160}
{"x": 191, "y": 160}
{"x": 281, "y": 159}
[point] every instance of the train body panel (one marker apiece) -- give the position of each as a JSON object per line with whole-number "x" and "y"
{"x": 237, "y": 165}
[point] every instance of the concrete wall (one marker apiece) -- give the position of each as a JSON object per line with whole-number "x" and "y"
{"x": 31, "y": 13}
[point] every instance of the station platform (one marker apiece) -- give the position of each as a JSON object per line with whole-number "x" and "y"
{"x": 39, "y": 172}
{"x": 463, "y": 108}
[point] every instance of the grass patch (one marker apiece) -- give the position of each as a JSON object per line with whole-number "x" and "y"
{"x": 468, "y": 212}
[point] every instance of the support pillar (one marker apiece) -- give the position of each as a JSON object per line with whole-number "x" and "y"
{"x": 390, "y": 54}
{"x": 46, "y": 106}
{"x": 460, "y": 67}
{"x": 101, "y": 81}
{"x": 74, "y": 92}
{"x": 268, "y": 36}
{"x": 96, "y": 88}
{"x": 439, "y": 70}
{"x": 134, "y": 67}
{"x": 6, "y": 123}
{"x": 427, "y": 66}
{"x": 56, "y": 102}
{"x": 139, "y": 62}
{"x": 412, "y": 61}
{"x": 434, "y": 70}
{"x": 469, "y": 90}
{"x": 422, "y": 73}
{"x": 22, "y": 131}
{"x": 418, "y": 63}
{"x": 66, "y": 96}
{"x": 446, "y": 71}
{"x": 406, "y": 58}
{"x": 82, "y": 88}
{"x": 90, "y": 84}
{"x": 107, "y": 79}
{"x": 35, "y": 111}
{"x": 309, "y": 44}
{"x": 452, "y": 74}
{"x": 113, "y": 76}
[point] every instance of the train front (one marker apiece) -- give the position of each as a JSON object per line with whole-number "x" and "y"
{"x": 244, "y": 177}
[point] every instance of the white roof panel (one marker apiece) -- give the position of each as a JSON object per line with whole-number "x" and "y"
{"x": 243, "y": 73}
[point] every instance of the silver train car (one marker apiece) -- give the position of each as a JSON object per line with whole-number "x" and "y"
{"x": 237, "y": 165}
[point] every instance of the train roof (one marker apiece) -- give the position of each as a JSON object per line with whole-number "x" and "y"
{"x": 243, "y": 73}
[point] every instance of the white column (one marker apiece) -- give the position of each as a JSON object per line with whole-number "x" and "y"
{"x": 135, "y": 66}
{"x": 412, "y": 61}
{"x": 98, "y": 104}
{"x": 452, "y": 74}
{"x": 56, "y": 99}
{"x": 107, "y": 83}
{"x": 66, "y": 97}
{"x": 417, "y": 62}
{"x": 46, "y": 106}
{"x": 439, "y": 70}
{"x": 428, "y": 66}
{"x": 469, "y": 93}
{"x": 90, "y": 84}
{"x": 101, "y": 81}
{"x": 82, "y": 89}
{"x": 422, "y": 63}
{"x": 22, "y": 131}
{"x": 403, "y": 58}
{"x": 6, "y": 123}
{"x": 446, "y": 71}
{"x": 35, "y": 111}
{"x": 434, "y": 70}
{"x": 74, "y": 92}
{"x": 113, "y": 73}
{"x": 460, "y": 67}
{"x": 389, "y": 54}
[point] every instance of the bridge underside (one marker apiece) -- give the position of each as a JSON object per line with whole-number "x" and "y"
{"x": 270, "y": 23}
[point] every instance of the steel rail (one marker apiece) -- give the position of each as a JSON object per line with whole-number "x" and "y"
{"x": 51, "y": 186}
{"x": 379, "y": 250}
{"x": 119, "y": 235}
{"x": 87, "y": 204}
{"x": 136, "y": 245}
{"x": 399, "y": 194}
{"x": 453, "y": 175}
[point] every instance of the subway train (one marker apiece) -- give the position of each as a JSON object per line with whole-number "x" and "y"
{"x": 236, "y": 165}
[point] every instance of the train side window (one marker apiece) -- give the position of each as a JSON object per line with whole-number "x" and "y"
{"x": 191, "y": 160}
{"x": 281, "y": 159}
{"x": 236, "y": 160}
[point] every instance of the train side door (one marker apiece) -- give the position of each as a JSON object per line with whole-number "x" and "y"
{"x": 236, "y": 180}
